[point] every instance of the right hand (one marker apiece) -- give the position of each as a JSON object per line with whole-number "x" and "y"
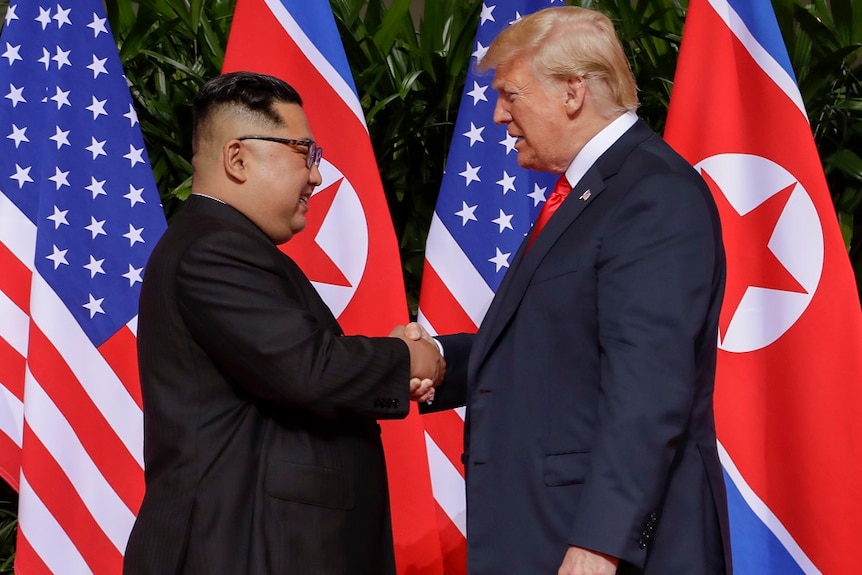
{"x": 415, "y": 331}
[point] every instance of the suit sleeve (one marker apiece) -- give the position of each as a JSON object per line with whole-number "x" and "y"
{"x": 247, "y": 313}
{"x": 656, "y": 274}
{"x": 452, "y": 391}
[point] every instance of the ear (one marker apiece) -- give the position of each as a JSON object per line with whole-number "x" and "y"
{"x": 576, "y": 92}
{"x": 234, "y": 158}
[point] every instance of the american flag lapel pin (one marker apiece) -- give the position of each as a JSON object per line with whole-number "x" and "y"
{"x": 585, "y": 196}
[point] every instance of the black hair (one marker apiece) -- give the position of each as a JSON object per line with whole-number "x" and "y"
{"x": 257, "y": 93}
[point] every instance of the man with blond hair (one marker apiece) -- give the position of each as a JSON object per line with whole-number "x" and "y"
{"x": 589, "y": 437}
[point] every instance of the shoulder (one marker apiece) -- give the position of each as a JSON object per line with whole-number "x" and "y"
{"x": 655, "y": 173}
{"x": 205, "y": 226}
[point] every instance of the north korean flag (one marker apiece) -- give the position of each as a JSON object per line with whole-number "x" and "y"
{"x": 789, "y": 374}
{"x": 348, "y": 248}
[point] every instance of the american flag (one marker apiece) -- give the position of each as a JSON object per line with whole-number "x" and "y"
{"x": 79, "y": 214}
{"x": 486, "y": 207}
{"x": 788, "y": 389}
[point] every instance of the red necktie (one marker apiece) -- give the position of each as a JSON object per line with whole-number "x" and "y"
{"x": 561, "y": 190}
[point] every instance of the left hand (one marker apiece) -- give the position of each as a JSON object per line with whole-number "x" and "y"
{"x": 422, "y": 390}
{"x": 579, "y": 561}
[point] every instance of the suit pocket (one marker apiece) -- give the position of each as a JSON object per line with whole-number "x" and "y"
{"x": 309, "y": 484}
{"x": 548, "y": 273}
{"x": 566, "y": 468}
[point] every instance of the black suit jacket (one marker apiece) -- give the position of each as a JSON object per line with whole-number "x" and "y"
{"x": 589, "y": 384}
{"x": 262, "y": 453}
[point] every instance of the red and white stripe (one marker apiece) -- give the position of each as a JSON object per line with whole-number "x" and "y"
{"x": 71, "y": 416}
{"x": 454, "y": 299}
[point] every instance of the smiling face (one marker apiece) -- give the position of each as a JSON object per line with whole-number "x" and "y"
{"x": 279, "y": 181}
{"x": 537, "y": 113}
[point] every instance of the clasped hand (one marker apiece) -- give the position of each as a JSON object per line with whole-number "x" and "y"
{"x": 427, "y": 366}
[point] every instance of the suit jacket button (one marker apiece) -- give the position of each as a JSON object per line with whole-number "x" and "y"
{"x": 396, "y": 402}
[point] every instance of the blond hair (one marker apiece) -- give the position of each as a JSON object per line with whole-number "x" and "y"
{"x": 569, "y": 42}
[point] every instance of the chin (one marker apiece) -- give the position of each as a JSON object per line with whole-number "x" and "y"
{"x": 527, "y": 163}
{"x": 282, "y": 239}
{"x": 535, "y": 164}
{"x": 288, "y": 232}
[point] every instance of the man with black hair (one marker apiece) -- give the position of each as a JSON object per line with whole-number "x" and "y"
{"x": 261, "y": 447}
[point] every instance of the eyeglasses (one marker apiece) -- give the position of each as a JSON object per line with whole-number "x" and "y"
{"x": 313, "y": 155}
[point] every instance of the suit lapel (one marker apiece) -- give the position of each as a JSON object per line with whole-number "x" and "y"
{"x": 514, "y": 285}
{"x": 511, "y": 291}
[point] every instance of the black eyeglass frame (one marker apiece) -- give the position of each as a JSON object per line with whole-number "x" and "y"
{"x": 313, "y": 156}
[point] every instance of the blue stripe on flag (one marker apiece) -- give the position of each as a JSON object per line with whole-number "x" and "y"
{"x": 760, "y": 21}
{"x": 756, "y": 550}
{"x": 317, "y": 22}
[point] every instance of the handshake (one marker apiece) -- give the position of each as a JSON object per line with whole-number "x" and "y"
{"x": 427, "y": 366}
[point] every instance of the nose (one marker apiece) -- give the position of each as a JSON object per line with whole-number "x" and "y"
{"x": 314, "y": 177}
{"x": 501, "y": 114}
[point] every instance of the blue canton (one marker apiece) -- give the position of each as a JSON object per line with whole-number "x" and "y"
{"x": 487, "y": 201}
{"x": 72, "y": 159}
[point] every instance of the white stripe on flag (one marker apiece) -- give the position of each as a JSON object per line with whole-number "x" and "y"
{"x": 765, "y": 514}
{"x": 46, "y": 536}
{"x": 447, "y": 485}
{"x": 11, "y": 416}
{"x": 58, "y": 437}
{"x": 133, "y": 326}
{"x": 20, "y": 239}
{"x": 457, "y": 272}
{"x": 339, "y": 85}
{"x": 17, "y": 233}
{"x": 423, "y": 321}
{"x": 97, "y": 378}
{"x": 763, "y": 58}
{"x": 14, "y": 324}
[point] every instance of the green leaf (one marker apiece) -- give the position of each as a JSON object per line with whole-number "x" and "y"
{"x": 848, "y": 162}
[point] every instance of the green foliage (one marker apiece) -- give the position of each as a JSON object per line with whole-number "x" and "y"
{"x": 824, "y": 40}
{"x": 8, "y": 525}
{"x": 410, "y": 81}
{"x": 169, "y": 48}
{"x": 650, "y": 33}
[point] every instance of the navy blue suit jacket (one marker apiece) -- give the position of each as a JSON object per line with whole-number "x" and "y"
{"x": 589, "y": 384}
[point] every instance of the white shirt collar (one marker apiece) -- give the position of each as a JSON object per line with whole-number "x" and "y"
{"x": 597, "y": 146}
{"x": 206, "y": 196}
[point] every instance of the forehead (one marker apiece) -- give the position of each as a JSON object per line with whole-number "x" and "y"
{"x": 512, "y": 74}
